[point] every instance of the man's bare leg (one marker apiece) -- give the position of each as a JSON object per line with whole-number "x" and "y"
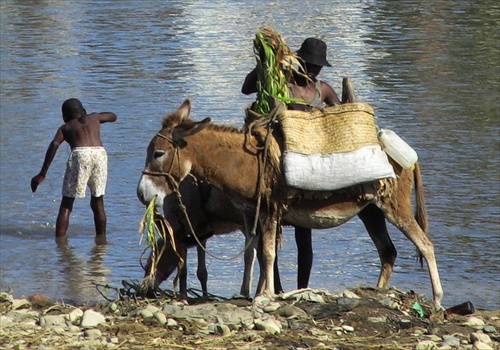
{"x": 304, "y": 255}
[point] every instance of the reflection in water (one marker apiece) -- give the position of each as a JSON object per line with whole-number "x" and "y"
{"x": 81, "y": 275}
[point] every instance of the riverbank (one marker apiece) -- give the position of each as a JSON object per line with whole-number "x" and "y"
{"x": 359, "y": 318}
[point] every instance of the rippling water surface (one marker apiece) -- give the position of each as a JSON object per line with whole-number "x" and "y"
{"x": 430, "y": 70}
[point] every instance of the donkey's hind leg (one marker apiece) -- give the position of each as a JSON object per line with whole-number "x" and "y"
{"x": 201, "y": 271}
{"x": 406, "y": 222}
{"x": 411, "y": 229}
{"x": 374, "y": 221}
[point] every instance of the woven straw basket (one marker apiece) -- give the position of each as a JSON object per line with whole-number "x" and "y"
{"x": 335, "y": 129}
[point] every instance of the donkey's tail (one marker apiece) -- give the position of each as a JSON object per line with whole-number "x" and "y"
{"x": 420, "y": 210}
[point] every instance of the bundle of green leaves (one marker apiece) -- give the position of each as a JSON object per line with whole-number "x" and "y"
{"x": 275, "y": 65}
{"x": 155, "y": 227}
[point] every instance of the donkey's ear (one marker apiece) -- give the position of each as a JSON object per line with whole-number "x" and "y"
{"x": 178, "y": 116}
{"x": 188, "y": 128}
{"x": 184, "y": 110}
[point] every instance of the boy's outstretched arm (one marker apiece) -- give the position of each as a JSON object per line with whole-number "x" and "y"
{"x": 49, "y": 156}
{"x": 106, "y": 117}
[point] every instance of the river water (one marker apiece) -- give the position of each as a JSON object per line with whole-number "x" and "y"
{"x": 430, "y": 70}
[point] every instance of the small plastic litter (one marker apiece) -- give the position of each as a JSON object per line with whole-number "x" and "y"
{"x": 416, "y": 306}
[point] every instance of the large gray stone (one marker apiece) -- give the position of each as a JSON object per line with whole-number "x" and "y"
{"x": 92, "y": 318}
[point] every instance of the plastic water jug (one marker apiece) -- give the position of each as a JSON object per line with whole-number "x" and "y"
{"x": 397, "y": 148}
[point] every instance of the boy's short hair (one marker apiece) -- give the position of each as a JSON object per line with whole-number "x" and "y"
{"x": 72, "y": 109}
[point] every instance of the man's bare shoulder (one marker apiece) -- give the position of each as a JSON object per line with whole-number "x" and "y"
{"x": 328, "y": 94}
{"x": 325, "y": 85}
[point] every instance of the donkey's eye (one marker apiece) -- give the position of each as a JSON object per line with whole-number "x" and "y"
{"x": 158, "y": 154}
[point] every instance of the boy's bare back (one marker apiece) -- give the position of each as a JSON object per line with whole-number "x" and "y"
{"x": 85, "y": 131}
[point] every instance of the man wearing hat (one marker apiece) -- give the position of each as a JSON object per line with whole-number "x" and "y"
{"x": 315, "y": 94}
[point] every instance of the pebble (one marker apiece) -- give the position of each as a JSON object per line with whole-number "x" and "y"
{"x": 145, "y": 313}
{"x": 479, "y": 345}
{"x": 74, "y": 329}
{"x": 6, "y": 321}
{"x": 290, "y": 311}
{"x": 171, "y": 322}
{"x": 269, "y": 326}
{"x": 113, "y": 307}
{"x": 271, "y": 307}
{"x": 433, "y": 337}
{"x": 92, "y": 333}
{"x": 223, "y": 329}
{"x": 450, "y": 341}
{"x": 75, "y": 315}
{"x": 171, "y": 310}
{"x": 52, "y": 320}
{"x": 348, "y": 328}
{"x": 478, "y": 336}
{"x": 59, "y": 329}
{"x": 489, "y": 329}
{"x": 261, "y": 301}
{"x": 378, "y": 319}
{"x": 426, "y": 345}
{"x": 20, "y": 303}
{"x": 445, "y": 347}
{"x": 391, "y": 304}
{"x": 29, "y": 324}
{"x": 92, "y": 318}
{"x": 347, "y": 304}
{"x": 160, "y": 317}
{"x": 305, "y": 294}
{"x": 474, "y": 322}
{"x": 349, "y": 294}
{"x": 114, "y": 340}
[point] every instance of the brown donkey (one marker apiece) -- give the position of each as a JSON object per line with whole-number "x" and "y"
{"x": 223, "y": 157}
{"x": 210, "y": 212}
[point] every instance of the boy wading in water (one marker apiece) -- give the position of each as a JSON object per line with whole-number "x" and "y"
{"x": 87, "y": 164}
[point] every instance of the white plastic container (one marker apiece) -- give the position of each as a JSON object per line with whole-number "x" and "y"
{"x": 397, "y": 148}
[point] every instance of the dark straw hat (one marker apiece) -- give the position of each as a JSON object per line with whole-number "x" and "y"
{"x": 313, "y": 51}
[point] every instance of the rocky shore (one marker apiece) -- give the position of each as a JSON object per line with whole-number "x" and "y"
{"x": 359, "y": 318}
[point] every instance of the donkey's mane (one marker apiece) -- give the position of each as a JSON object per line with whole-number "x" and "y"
{"x": 224, "y": 128}
{"x": 168, "y": 122}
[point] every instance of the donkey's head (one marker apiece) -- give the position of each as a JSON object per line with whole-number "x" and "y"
{"x": 167, "y": 263}
{"x": 168, "y": 161}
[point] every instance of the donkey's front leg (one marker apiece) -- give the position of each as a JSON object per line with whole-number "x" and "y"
{"x": 266, "y": 253}
{"x": 251, "y": 243}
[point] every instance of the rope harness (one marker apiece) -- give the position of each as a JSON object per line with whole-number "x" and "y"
{"x": 175, "y": 184}
{"x": 266, "y": 121}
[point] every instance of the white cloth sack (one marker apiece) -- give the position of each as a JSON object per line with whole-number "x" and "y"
{"x": 333, "y": 171}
